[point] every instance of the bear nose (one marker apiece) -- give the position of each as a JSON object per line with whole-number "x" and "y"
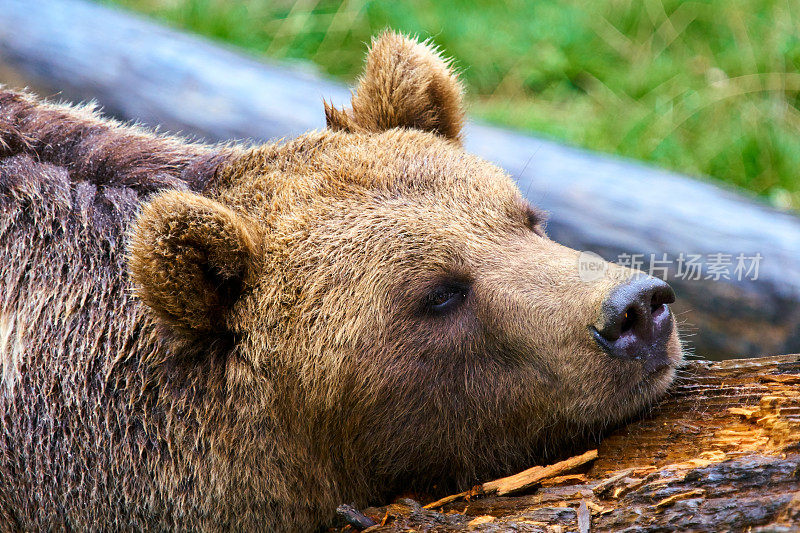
{"x": 636, "y": 321}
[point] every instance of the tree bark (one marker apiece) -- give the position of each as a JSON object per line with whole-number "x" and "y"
{"x": 720, "y": 453}
{"x": 140, "y": 71}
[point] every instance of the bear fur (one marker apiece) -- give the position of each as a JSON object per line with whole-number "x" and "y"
{"x": 226, "y": 337}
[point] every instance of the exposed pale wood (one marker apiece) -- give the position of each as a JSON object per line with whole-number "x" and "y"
{"x": 141, "y": 71}
{"x": 564, "y": 480}
{"x": 720, "y": 453}
{"x": 448, "y": 499}
{"x": 532, "y": 476}
{"x": 519, "y": 482}
{"x": 584, "y": 518}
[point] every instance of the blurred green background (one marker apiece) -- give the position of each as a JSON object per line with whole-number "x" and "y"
{"x": 708, "y": 88}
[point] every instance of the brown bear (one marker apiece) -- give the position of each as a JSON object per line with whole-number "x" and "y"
{"x": 229, "y": 337}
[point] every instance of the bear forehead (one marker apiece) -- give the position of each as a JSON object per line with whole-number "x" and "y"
{"x": 395, "y": 166}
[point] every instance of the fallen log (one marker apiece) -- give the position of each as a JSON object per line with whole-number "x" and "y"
{"x": 720, "y": 453}
{"x": 138, "y": 70}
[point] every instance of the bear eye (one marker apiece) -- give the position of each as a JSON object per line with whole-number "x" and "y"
{"x": 445, "y": 297}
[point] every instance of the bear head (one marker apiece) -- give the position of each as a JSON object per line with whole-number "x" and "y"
{"x": 394, "y": 302}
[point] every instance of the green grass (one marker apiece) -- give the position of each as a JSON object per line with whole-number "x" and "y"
{"x": 709, "y": 88}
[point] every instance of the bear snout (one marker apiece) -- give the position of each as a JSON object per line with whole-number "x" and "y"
{"x": 636, "y": 322}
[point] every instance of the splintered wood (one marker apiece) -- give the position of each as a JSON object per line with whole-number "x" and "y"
{"x": 722, "y": 452}
{"x": 519, "y": 482}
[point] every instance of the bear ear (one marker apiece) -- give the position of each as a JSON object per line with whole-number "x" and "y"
{"x": 191, "y": 258}
{"x": 405, "y": 84}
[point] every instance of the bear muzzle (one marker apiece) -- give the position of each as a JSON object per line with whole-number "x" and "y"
{"x": 636, "y": 322}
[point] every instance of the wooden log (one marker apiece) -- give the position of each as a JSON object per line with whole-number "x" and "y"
{"x": 141, "y": 71}
{"x": 720, "y": 453}
{"x": 518, "y": 482}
